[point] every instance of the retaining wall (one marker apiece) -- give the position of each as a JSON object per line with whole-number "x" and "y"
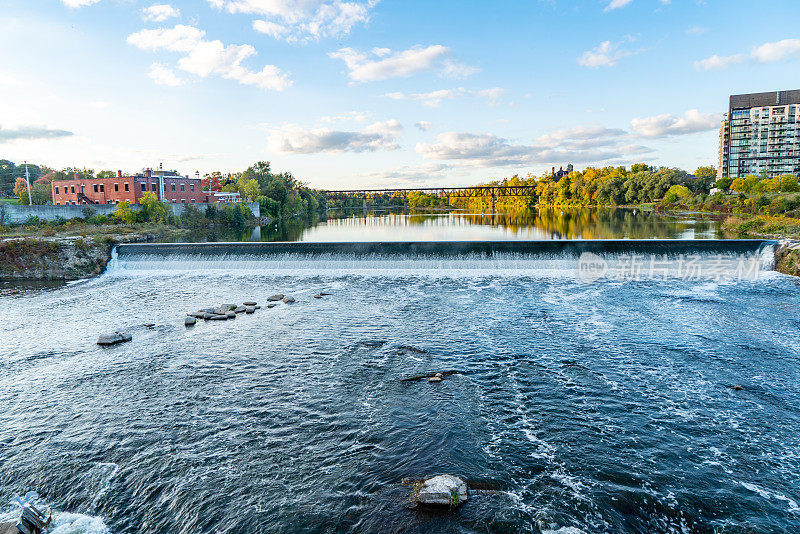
{"x": 13, "y": 213}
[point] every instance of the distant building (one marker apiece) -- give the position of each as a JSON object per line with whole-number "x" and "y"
{"x": 560, "y": 173}
{"x": 760, "y": 133}
{"x": 225, "y": 198}
{"x": 168, "y": 186}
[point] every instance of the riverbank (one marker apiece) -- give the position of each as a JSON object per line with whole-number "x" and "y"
{"x": 71, "y": 255}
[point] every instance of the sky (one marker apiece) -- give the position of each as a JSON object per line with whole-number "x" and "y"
{"x": 383, "y": 93}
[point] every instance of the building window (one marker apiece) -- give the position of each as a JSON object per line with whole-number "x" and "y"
{"x": 56, "y": 190}
{"x": 192, "y": 201}
{"x": 153, "y": 187}
{"x": 58, "y": 203}
{"x": 102, "y": 188}
{"x": 183, "y": 187}
{"x": 116, "y": 188}
{"x": 173, "y": 187}
{"x": 192, "y": 188}
{"x": 73, "y": 189}
{"x": 183, "y": 200}
{"x": 95, "y": 188}
{"x": 126, "y": 187}
{"x": 143, "y": 186}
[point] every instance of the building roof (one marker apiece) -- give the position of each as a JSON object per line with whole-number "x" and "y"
{"x": 757, "y": 100}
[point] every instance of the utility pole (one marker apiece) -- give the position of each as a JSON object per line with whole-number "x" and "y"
{"x": 28, "y": 183}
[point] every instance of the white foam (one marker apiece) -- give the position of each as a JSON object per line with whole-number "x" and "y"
{"x": 767, "y": 494}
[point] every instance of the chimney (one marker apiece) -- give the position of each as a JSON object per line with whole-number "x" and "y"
{"x": 119, "y": 174}
{"x": 148, "y": 173}
{"x": 554, "y": 171}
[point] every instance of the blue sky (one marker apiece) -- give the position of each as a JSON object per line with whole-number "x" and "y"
{"x": 382, "y": 93}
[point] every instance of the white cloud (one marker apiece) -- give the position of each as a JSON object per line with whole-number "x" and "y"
{"x": 586, "y": 144}
{"x": 79, "y": 3}
{"x": 30, "y": 132}
{"x": 353, "y": 116}
{"x": 302, "y": 20}
{"x": 696, "y": 30}
{"x": 298, "y": 140}
{"x": 668, "y": 125}
{"x": 418, "y": 174}
{"x": 777, "y": 51}
{"x": 164, "y": 75}
{"x": 160, "y": 12}
{"x": 383, "y": 64}
{"x": 616, "y": 4}
{"x": 606, "y": 54}
{"x": 434, "y": 98}
{"x": 423, "y": 125}
{"x": 273, "y": 29}
{"x": 718, "y": 62}
{"x": 204, "y": 58}
{"x": 766, "y": 53}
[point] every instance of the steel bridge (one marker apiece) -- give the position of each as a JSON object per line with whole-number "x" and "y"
{"x": 448, "y": 192}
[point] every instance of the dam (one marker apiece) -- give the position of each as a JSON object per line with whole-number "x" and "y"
{"x": 661, "y": 402}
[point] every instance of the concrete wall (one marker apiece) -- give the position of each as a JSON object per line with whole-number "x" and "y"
{"x": 11, "y": 213}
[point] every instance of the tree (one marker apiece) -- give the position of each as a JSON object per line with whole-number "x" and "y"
{"x": 677, "y": 193}
{"x": 106, "y": 174}
{"x": 248, "y": 189}
{"x": 153, "y": 210}
{"x": 723, "y": 184}
{"x": 124, "y": 213}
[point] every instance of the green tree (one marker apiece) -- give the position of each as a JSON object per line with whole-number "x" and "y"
{"x": 153, "y": 210}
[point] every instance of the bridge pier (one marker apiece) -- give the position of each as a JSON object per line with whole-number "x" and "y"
{"x": 365, "y": 206}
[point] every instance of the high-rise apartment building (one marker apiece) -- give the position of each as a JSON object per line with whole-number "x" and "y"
{"x": 760, "y": 133}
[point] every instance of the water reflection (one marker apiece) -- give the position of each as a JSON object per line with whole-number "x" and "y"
{"x": 548, "y": 223}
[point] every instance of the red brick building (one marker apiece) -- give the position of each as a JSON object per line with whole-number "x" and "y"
{"x": 168, "y": 186}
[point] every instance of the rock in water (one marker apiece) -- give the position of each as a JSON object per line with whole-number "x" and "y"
{"x": 275, "y": 298}
{"x": 231, "y": 315}
{"x": 249, "y": 303}
{"x": 256, "y": 307}
{"x": 271, "y": 305}
{"x": 240, "y": 309}
{"x": 435, "y": 379}
{"x": 113, "y": 339}
{"x": 219, "y": 318}
{"x": 444, "y": 490}
{"x": 288, "y": 300}
{"x": 189, "y": 321}
{"x": 250, "y": 309}
{"x": 318, "y": 296}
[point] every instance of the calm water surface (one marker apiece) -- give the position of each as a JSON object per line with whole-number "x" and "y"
{"x": 603, "y": 407}
{"x": 354, "y": 225}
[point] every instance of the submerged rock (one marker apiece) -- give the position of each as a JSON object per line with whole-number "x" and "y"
{"x": 113, "y": 339}
{"x": 231, "y": 315}
{"x": 149, "y": 325}
{"x": 249, "y": 303}
{"x": 737, "y": 388}
{"x": 288, "y": 300}
{"x": 271, "y": 305}
{"x": 250, "y": 309}
{"x": 435, "y": 379}
{"x": 240, "y": 309}
{"x": 189, "y": 321}
{"x": 428, "y": 375}
{"x": 318, "y": 296}
{"x": 275, "y": 298}
{"x": 442, "y": 490}
{"x": 218, "y": 318}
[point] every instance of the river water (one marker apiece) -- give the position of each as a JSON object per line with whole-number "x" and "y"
{"x": 579, "y": 405}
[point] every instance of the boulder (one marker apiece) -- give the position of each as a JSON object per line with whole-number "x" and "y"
{"x": 218, "y": 318}
{"x": 274, "y": 298}
{"x": 323, "y": 294}
{"x": 222, "y": 310}
{"x": 189, "y": 321}
{"x": 113, "y": 339}
{"x": 208, "y": 315}
{"x": 435, "y": 379}
{"x": 249, "y": 309}
{"x": 443, "y": 490}
{"x": 231, "y": 315}
{"x": 318, "y": 296}
{"x": 256, "y": 307}
{"x": 249, "y": 303}
{"x": 198, "y": 315}
{"x": 288, "y": 300}
{"x": 240, "y": 309}
{"x": 271, "y": 305}
{"x": 149, "y": 325}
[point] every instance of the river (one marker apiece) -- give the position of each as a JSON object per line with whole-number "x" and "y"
{"x": 643, "y": 403}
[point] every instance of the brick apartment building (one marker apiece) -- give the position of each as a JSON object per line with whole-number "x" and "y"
{"x": 168, "y": 186}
